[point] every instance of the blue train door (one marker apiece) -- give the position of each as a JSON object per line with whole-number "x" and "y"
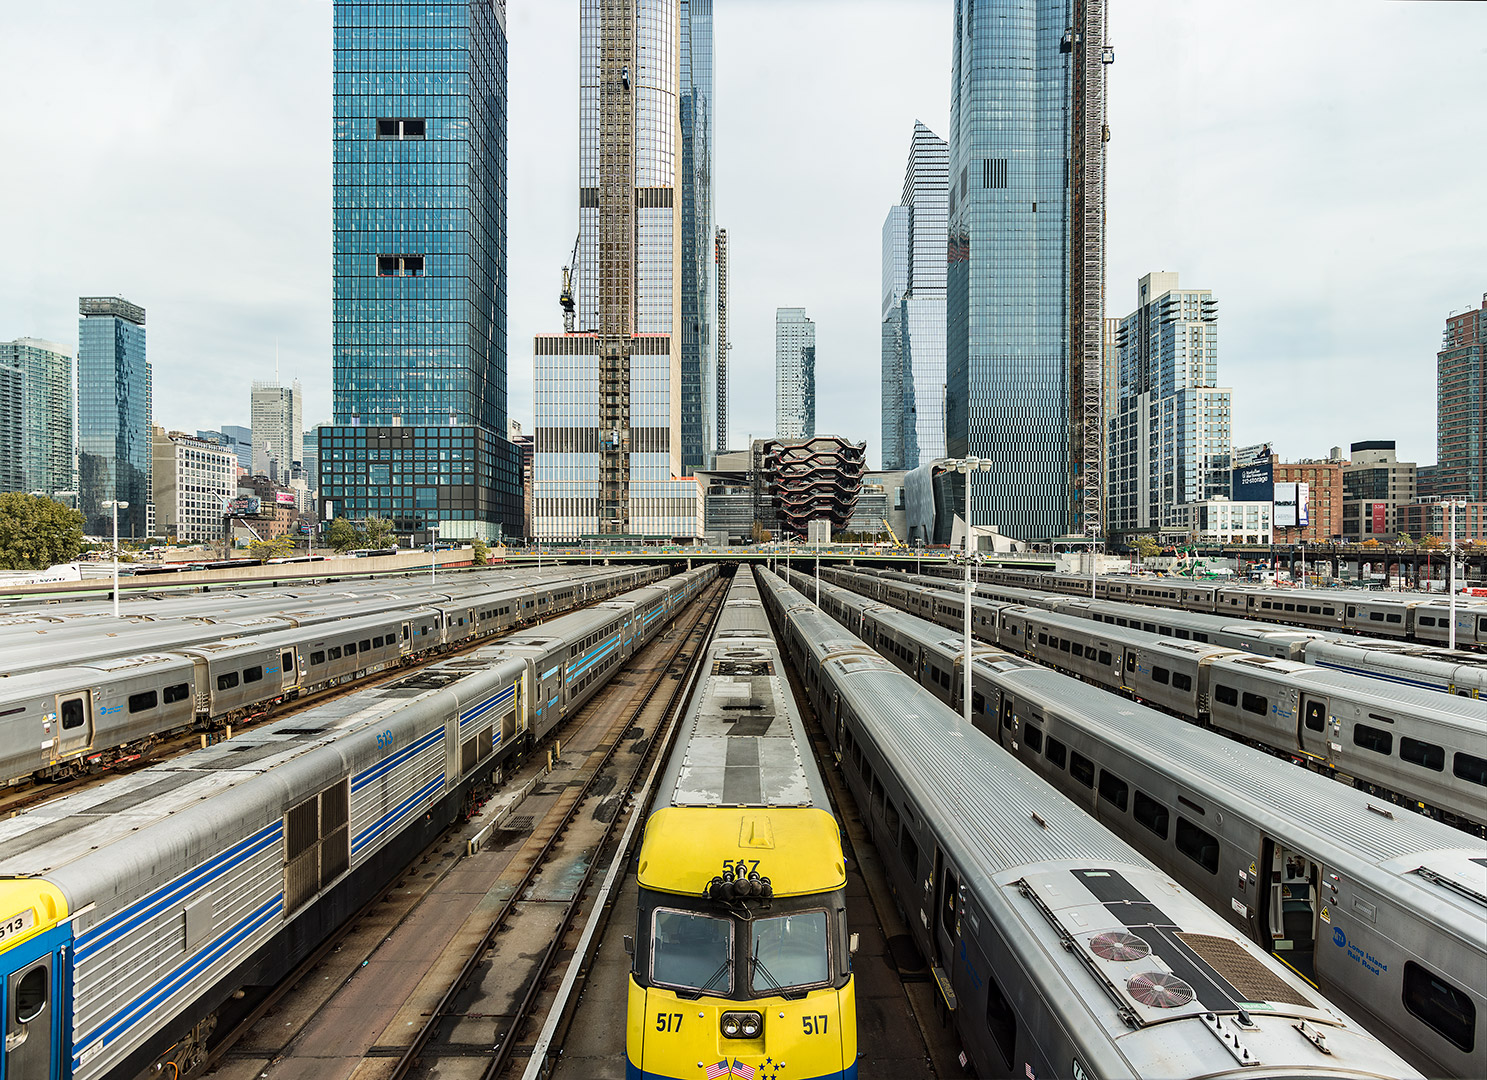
{"x": 29, "y": 996}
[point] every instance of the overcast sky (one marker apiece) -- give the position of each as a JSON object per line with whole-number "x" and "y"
{"x": 1318, "y": 165}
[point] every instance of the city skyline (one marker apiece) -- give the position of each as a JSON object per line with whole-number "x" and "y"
{"x": 1260, "y": 244}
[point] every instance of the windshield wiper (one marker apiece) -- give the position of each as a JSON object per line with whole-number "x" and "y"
{"x": 726, "y": 965}
{"x": 758, "y": 965}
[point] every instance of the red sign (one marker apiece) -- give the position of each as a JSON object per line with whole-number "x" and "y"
{"x": 1378, "y": 517}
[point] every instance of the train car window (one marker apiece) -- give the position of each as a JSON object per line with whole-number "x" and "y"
{"x": 1042, "y": 638}
{"x": 1105, "y": 658}
{"x": 227, "y": 680}
{"x": 1055, "y": 752}
{"x": 1352, "y": 612}
{"x": 1181, "y": 681}
{"x": 1426, "y": 620}
{"x": 334, "y": 652}
{"x": 366, "y": 643}
{"x": 253, "y": 674}
{"x": 72, "y": 717}
{"x": 691, "y": 950}
{"x": 1184, "y": 634}
{"x": 1265, "y": 604}
{"x": 1160, "y": 675}
{"x": 1226, "y": 695}
{"x": 1150, "y": 628}
{"x": 1199, "y": 637}
{"x": 1113, "y": 789}
{"x": 1130, "y": 661}
{"x": 1315, "y": 610}
{"x": 143, "y": 702}
{"x": 1292, "y": 607}
{"x": 867, "y": 777}
{"x": 1150, "y": 813}
{"x": 909, "y": 849}
{"x": 1394, "y": 617}
{"x": 1001, "y": 1021}
{"x": 288, "y": 661}
{"x": 1482, "y": 625}
{"x": 178, "y": 692}
{"x": 377, "y": 642}
{"x": 1082, "y": 769}
{"x": 350, "y": 648}
{"x": 31, "y": 994}
{"x": 1440, "y": 1005}
{"x": 1063, "y": 645}
{"x": 1033, "y": 737}
{"x": 1316, "y": 715}
{"x": 1466, "y": 767}
{"x": 1254, "y": 703}
{"x": 1372, "y": 738}
{"x": 1376, "y": 616}
{"x": 1197, "y": 845}
{"x": 1077, "y": 649}
{"x": 890, "y": 817}
{"x": 949, "y": 902}
{"x": 1424, "y": 754}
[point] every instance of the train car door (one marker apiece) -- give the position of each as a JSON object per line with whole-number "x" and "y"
{"x": 74, "y": 724}
{"x": 30, "y": 998}
{"x": 947, "y": 911}
{"x": 1288, "y": 908}
{"x": 288, "y": 669}
{"x": 1312, "y": 732}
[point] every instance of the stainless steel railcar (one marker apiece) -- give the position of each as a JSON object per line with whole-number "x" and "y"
{"x": 1062, "y": 951}
{"x": 240, "y": 674}
{"x": 1388, "y": 913}
{"x": 1421, "y": 749}
{"x": 221, "y": 870}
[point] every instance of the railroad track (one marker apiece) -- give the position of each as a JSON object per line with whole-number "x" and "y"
{"x": 314, "y": 996}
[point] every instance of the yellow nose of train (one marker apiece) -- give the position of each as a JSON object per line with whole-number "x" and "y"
{"x": 811, "y": 1038}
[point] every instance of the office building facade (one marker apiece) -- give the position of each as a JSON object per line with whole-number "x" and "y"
{"x": 698, "y": 282}
{"x": 236, "y": 438}
{"x": 193, "y": 480}
{"x": 913, "y": 329}
{"x": 794, "y": 374}
{"x": 608, "y": 395}
{"x": 114, "y": 416}
{"x": 1025, "y": 275}
{"x": 47, "y": 454}
{"x": 1171, "y": 437}
{"x": 278, "y": 416}
{"x": 1461, "y": 407}
{"x": 720, "y": 244}
{"x": 1376, "y": 485}
{"x": 12, "y": 430}
{"x": 419, "y": 238}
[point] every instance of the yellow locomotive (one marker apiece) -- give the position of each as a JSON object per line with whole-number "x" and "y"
{"x": 741, "y": 959}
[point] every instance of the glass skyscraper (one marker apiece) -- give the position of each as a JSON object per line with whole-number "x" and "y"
{"x": 47, "y": 454}
{"x": 699, "y": 382}
{"x": 794, "y": 374}
{"x": 419, "y": 400}
{"x": 113, "y": 408}
{"x": 610, "y": 396}
{"x": 913, "y": 419}
{"x": 1025, "y": 280}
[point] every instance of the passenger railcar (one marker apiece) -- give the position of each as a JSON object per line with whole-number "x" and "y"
{"x": 134, "y": 910}
{"x": 1060, "y": 950}
{"x": 741, "y": 956}
{"x": 245, "y": 671}
{"x": 1290, "y": 859}
{"x": 1420, "y": 749}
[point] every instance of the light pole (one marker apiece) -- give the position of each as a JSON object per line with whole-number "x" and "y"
{"x": 1302, "y": 545}
{"x": 116, "y": 505}
{"x": 433, "y": 551}
{"x": 968, "y": 466}
{"x": 1451, "y": 505}
{"x": 818, "y": 569}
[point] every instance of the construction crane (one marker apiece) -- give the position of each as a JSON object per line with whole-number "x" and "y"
{"x": 896, "y": 541}
{"x": 566, "y": 297}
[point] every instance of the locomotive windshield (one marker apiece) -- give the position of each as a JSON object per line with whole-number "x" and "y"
{"x": 692, "y": 951}
{"x": 789, "y": 952}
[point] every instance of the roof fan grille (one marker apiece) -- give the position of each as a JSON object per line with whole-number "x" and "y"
{"x": 1159, "y": 990}
{"x": 1119, "y": 946}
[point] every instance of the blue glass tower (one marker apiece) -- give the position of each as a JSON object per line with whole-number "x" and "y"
{"x": 113, "y": 413}
{"x": 419, "y": 429}
{"x": 695, "y": 104}
{"x": 1025, "y": 275}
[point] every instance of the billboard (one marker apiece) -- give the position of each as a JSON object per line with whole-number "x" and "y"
{"x": 244, "y": 506}
{"x": 1379, "y": 512}
{"x": 1254, "y": 482}
{"x": 285, "y": 498}
{"x": 1292, "y": 505}
{"x": 1258, "y": 454}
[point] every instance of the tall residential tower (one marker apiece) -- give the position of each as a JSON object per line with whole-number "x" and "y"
{"x": 114, "y": 416}
{"x": 1461, "y": 406}
{"x": 1025, "y": 280}
{"x": 419, "y": 393}
{"x": 47, "y": 454}
{"x": 913, "y": 330}
{"x": 794, "y": 374}
{"x": 610, "y": 396}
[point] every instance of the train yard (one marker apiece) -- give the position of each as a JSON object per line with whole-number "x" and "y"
{"x": 649, "y": 822}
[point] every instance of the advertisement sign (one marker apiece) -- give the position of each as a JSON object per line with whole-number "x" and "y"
{"x": 1303, "y": 505}
{"x": 1292, "y": 505}
{"x": 1378, "y": 517}
{"x": 244, "y": 506}
{"x": 285, "y": 498}
{"x": 1255, "y": 483}
{"x": 1257, "y": 454}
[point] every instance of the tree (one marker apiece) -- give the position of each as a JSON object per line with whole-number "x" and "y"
{"x": 1404, "y": 539}
{"x": 478, "y": 552}
{"x": 341, "y": 535}
{"x": 760, "y": 534}
{"x": 275, "y": 547}
{"x": 1432, "y": 543}
{"x": 378, "y": 532}
{"x": 1146, "y": 547}
{"x": 1369, "y": 543}
{"x": 37, "y": 532}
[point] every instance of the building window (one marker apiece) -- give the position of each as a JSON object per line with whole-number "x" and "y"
{"x": 400, "y": 128}
{"x": 399, "y": 265}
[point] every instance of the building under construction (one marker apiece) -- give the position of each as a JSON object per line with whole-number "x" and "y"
{"x": 608, "y": 392}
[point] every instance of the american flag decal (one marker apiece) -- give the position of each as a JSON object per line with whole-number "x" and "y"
{"x": 715, "y": 1071}
{"x": 742, "y": 1071}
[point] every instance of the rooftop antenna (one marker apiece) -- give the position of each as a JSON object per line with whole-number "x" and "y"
{"x": 276, "y": 361}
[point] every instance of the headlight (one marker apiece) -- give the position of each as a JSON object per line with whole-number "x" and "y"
{"x": 742, "y": 1025}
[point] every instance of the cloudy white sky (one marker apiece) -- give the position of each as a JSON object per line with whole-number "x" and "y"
{"x": 1317, "y": 164}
